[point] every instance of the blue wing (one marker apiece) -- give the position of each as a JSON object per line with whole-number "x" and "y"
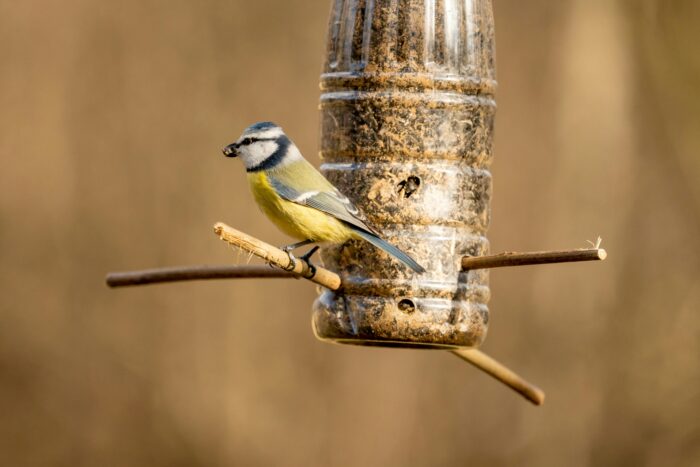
{"x": 327, "y": 199}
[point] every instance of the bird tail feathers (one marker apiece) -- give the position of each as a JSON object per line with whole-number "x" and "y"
{"x": 389, "y": 248}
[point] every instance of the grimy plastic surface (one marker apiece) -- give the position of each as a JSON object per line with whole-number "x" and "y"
{"x": 406, "y": 133}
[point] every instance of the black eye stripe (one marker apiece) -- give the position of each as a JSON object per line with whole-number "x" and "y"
{"x": 248, "y": 141}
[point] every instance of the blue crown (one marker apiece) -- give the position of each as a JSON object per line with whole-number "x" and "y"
{"x": 262, "y": 126}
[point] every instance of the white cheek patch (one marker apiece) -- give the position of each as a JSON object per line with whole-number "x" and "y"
{"x": 254, "y": 154}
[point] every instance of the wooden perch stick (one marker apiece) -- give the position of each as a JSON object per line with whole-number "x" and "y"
{"x": 502, "y": 373}
{"x": 332, "y": 281}
{"x": 276, "y": 256}
{"x": 191, "y": 273}
{"x": 533, "y": 257}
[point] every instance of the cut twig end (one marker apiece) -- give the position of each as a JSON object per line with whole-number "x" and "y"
{"x": 602, "y": 254}
{"x": 219, "y": 228}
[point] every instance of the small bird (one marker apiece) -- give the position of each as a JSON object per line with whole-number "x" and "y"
{"x": 297, "y": 198}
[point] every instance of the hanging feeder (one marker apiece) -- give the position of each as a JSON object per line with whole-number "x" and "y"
{"x": 407, "y": 113}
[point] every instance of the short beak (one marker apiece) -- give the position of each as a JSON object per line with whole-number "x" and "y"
{"x": 230, "y": 150}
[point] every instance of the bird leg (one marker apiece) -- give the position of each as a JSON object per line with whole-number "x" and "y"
{"x": 288, "y": 249}
{"x": 294, "y": 246}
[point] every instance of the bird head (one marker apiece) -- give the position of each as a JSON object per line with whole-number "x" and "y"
{"x": 261, "y": 146}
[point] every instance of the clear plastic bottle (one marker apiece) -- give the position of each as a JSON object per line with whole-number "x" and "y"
{"x": 406, "y": 133}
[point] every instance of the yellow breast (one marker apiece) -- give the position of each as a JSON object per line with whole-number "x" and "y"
{"x": 295, "y": 220}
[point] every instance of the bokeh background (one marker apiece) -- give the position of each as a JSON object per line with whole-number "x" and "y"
{"x": 112, "y": 116}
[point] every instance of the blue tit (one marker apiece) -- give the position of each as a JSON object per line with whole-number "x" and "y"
{"x": 297, "y": 198}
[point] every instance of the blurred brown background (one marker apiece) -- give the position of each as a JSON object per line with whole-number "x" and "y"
{"x": 112, "y": 116}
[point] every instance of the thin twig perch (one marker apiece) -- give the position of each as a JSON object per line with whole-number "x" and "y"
{"x": 332, "y": 281}
{"x": 532, "y": 257}
{"x": 192, "y": 273}
{"x": 235, "y": 271}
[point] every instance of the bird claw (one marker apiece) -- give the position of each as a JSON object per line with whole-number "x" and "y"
{"x": 312, "y": 271}
{"x": 292, "y": 261}
{"x": 307, "y": 258}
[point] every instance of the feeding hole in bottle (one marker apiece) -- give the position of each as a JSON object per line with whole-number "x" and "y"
{"x": 407, "y": 306}
{"x": 409, "y": 186}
